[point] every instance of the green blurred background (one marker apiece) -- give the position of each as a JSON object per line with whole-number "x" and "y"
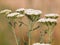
{"x": 47, "y": 6}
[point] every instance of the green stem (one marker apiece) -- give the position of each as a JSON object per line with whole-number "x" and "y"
{"x": 22, "y": 34}
{"x": 50, "y": 32}
{"x": 15, "y": 36}
{"x": 30, "y": 29}
{"x": 29, "y": 38}
{"x": 41, "y": 34}
{"x": 21, "y": 30}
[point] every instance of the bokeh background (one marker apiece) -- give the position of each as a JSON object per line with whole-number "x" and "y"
{"x": 47, "y": 6}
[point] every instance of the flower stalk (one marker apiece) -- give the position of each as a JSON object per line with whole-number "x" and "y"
{"x": 50, "y": 32}
{"x": 30, "y": 29}
{"x": 15, "y": 36}
{"x": 21, "y": 30}
{"x": 41, "y": 34}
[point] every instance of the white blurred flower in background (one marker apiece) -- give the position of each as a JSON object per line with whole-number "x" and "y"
{"x": 36, "y": 44}
{"x": 21, "y": 10}
{"x": 47, "y": 44}
{"x": 41, "y": 44}
{"x": 7, "y": 11}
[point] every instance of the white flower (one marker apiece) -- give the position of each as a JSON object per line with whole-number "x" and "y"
{"x": 51, "y": 15}
{"x": 29, "y": 11}
{"x": 47, "y": 44}
{"x": 42, "y": 20}
{"x": 36, "y": 44}
{"x": 21, "y": 15}
{"x": 5, "y": 11}
{"x": 42, "y": 44}
{"x": 51, "y": 20}
{"x": 20, "y": 9}
{"x": 13, "y": 14}
{"x": 37, "y": 12}
{"x": 32, "y": 12}
{"x": 47, "y": 20}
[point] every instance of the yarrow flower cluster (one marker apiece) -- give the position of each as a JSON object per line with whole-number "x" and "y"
{"x": 43, "y": 20}
{"x": 36, "y": 44}
{"x": 7, "y": 11}
{"x": 21, "y": 10}
{"x": 47, "y": 21}
{"x": 50, "y": 21}
{"x": 13, "y": 14}
{"x": 40, "y": 44}
{"x": 52, "y": 15}
{"x": 32, "y": 14}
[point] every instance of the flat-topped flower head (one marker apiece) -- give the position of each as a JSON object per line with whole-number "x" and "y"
{"x": 47, "y": 44}
{"x": 52, "y": 15}
{"x": 47, "y": 21}
{"x": 42, "y": 20}
{"x": 29, "y": 11}
{"x": 51, "y": 20}
{"x": 20, "y": 16}
{"x": 5, "y": 11}
{"x": 21, "y": 10}
{"x": 37, "y": 12}
{"x": 36, "y": 44}
{"x": 32, "y": 14}
{"x": 13, "y": 14}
